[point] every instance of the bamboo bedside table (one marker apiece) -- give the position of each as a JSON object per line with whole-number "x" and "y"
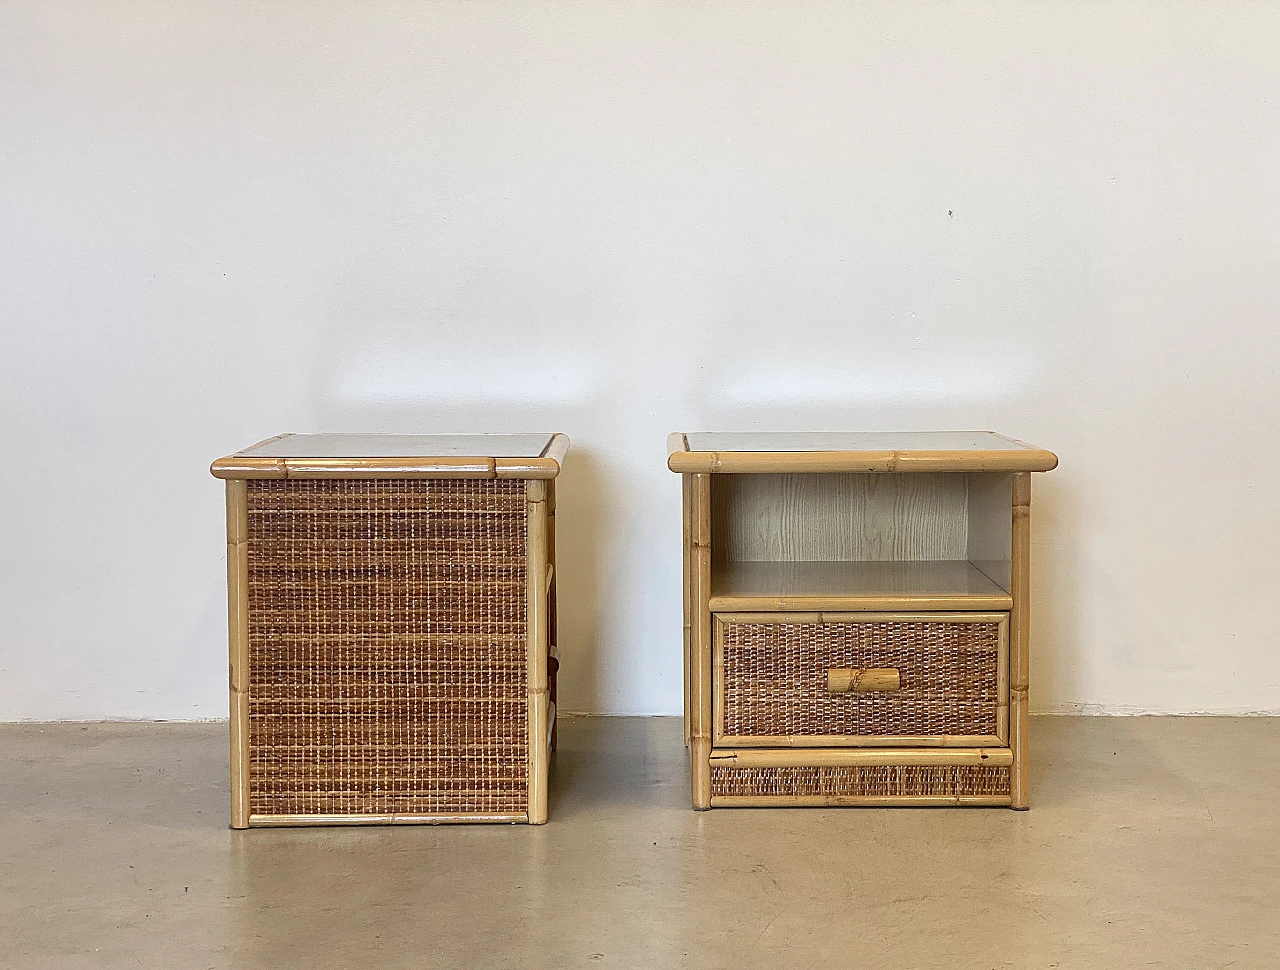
{"x": 392, "y": 627}
{"x": 856, "y": 617}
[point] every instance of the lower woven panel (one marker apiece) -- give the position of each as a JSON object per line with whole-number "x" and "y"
{"x": 958, "y": 780}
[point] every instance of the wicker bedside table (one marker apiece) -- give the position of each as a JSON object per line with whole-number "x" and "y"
{"x": 392, "y": 627}
{"x": 856, "y": 617}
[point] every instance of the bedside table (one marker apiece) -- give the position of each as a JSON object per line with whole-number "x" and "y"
{"x": 857, "y": 622}
{"x": 392, "y": 627}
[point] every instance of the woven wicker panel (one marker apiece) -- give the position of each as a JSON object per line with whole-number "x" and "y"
{"x": 854, "y": 781}
{"x": 387, "y": 647}
{"x": 775, "y": 678}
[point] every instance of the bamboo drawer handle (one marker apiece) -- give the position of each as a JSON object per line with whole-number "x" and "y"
{"x": 841, "y": 681}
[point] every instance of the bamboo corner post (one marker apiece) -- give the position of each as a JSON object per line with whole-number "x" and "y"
{"x": 686, "y": 510}
{"x": 700, "y": 640}
{"x": 1020, "y": 646}
{"x": 238, "y": 647}
{"x": 553, "y": 613}
{"x": 439, "y": 658}
{"x": 536, "y": 625}
{"x": 856, "y": 617}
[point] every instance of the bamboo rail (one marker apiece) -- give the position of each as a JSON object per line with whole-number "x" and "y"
{"x": 859, "y": 801}
{"x": 700, "y": 661}
{"x": 686, "y": 508}
{"x": 543, "y": 467}
{"x": 860, "y": 740}
{"x": 536, "y": 624}
{"x": 773, "y": 462}
{"x": 865, "y": 757}
{"x": 1020, "y": 641}
{"x": 238, "y": 647}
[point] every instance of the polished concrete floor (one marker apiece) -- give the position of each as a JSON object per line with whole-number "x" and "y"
{"x": 1153, "y": 842}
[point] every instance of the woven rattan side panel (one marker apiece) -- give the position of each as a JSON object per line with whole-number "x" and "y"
{"x": 774, "y": 677}
{"x": 861, "y": 781}
{"x": 387, "y": 651}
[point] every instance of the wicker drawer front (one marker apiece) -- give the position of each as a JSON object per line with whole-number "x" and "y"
{"x": 772, "y": 679}
{"x": 387, "y": 649}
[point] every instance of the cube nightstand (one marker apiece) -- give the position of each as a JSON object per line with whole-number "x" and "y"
{"x": 857, "y": 617}
{"x": 392, "y": 627}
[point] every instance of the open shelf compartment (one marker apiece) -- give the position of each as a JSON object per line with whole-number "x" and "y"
{"x": 850, "y": 541}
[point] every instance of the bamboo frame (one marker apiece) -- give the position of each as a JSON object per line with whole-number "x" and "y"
{"x": 244, "y": 466}
{"x": 1019, "y": 664}
{"x": 556, "y": 450}
{"x": 248, "y": 467}
{"x": 541, "y": 581}
{"x": 1027, "y": 458}
{"x": 859, "y": 801}
{"x": 536, "y": 631}
{"x": 773, "y": 462}
{"x": 864, "y": 757}
{"x": 704, "y": 661}
{"x": 553, "y": 610}
{"x": 915, "y": 603}
{"x": 1002, "y": 682}
{"x": 686, "y": 514}
{"x": 700, "y": 642}
{"x": 539, "y": 553}
{"x": 999, "y": 739}
{"x": 796, "y": 741}
{"x": 238, "y": 648}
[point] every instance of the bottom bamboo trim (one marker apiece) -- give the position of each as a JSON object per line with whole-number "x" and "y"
{"x": 859, "y": 801}
{"x": 441, "y": 818}
{"x": 866, "y": 757}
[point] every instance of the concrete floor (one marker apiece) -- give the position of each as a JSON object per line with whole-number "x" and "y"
{"x": 1153, "y": 842}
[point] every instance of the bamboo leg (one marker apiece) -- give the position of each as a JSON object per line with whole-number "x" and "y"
{"x": 700, "y": 660}
{"x": 687, "y": 516}
{"x": 553, "y": 624}
{"x": 536, "y": 653}
{"x": 1020, "y": 641}
{"x": 238, "y": 647}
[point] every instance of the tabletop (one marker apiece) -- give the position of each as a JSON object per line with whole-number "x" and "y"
{"x": 398, "y": 455}
{"x": 868, "y": 451}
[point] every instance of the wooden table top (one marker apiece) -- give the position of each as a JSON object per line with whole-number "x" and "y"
{"x": 398, "y": 456}
{"x": 856, "y": 451}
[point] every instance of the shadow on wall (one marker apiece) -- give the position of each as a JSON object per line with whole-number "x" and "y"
{"x": 1056, "y": 580}
{"x": 581, "y": 498}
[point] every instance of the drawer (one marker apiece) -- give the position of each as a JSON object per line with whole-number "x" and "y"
{"x": 860, "y": 679}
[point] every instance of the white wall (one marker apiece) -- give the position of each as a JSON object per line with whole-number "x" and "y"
{"x": 221, "y": 220}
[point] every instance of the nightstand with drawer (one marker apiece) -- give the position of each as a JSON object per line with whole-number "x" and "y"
{"x": 856, "y": 617}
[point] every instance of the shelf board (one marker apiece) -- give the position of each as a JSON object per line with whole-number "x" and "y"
{"x": 803, "y": 586}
